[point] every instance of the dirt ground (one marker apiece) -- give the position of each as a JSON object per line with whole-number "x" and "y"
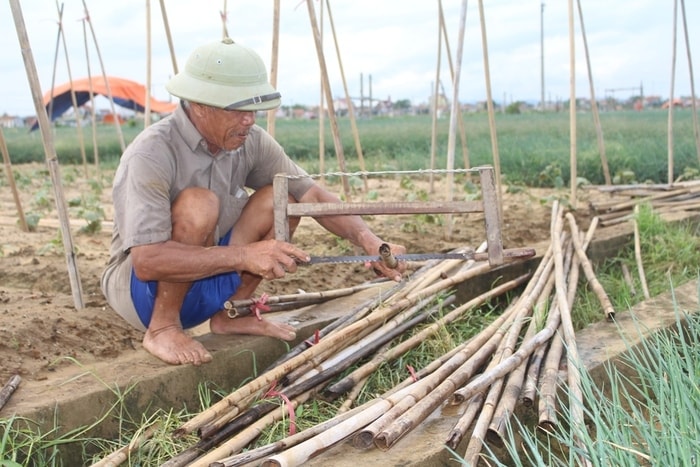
{"x": 41, "y": 330}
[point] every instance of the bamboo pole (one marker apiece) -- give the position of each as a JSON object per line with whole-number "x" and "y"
{"x": 671, "y": 93}
{"x": 50, "y": 153}
{"x": 74, "y": 100}
{"x": 573, "y": 375}
{"x": 572, "y": 106}
{"x": 274, "y": 63}
{"x": 489, "y": 107}
{"x": 351, "y": 107}
{"x": 594, "y": 103}
{"x": 11, "y": 181}
{"x": 166, "y": 25}
{"x": 547, "y": 404}
{"x": 434, "y": 109}
{"x": 329, "y": 100}
{"x": 460, "y": 120}
{"x": 9, "y": 389}
{"x": 449, "y": 195}
{"x": 223, "y": 14}
{"x": 93, "y": 114}
{"x": 694, "y": 105}
{"x": 104, "y": 75}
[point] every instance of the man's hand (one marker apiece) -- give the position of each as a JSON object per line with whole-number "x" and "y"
{"x": 271, "y": 259}
{"x": 387, "y": 268}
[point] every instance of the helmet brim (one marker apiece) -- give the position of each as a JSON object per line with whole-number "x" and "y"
{"x": 194, "y": 89}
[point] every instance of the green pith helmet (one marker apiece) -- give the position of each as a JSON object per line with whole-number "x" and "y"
{"x": 225, "y": 75}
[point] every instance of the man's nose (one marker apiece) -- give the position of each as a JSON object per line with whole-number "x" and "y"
{"x": 249, "y": 117}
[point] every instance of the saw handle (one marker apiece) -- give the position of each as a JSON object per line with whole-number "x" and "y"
{"x": 387, "y": 256}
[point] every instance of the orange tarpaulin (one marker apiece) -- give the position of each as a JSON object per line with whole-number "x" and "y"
{"x": 125, "y": 93}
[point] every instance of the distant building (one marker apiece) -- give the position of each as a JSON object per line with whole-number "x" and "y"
{"x": 11, "y": 121}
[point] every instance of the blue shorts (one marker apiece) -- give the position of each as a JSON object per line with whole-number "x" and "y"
{"x": 203, "y": 300}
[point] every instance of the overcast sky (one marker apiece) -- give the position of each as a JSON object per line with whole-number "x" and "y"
{"x": 394, "y": 41}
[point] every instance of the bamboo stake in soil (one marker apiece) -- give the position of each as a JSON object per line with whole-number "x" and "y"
{"x": 11, "y": 181}
{"x": 693, "y": 102}
{"x": 9, "y": 389}
{"x": 50, "y": 153}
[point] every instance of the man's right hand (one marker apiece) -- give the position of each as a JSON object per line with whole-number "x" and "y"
{"x": 271, "y": 259}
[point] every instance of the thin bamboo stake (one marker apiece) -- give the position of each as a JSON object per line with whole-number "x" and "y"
{"x": 274, "y": 61}
{"x": 11, "y": 181}
{"x": 74, "y": 99}
{"x": 638, "y": 256}
{"x": 351, "y": 107}
{"x": 460, "y": 120}
{"x": 329, "y": 99}
{"x": 453, "y": 118}
{"x": 693, "y": 102}
{"x": 594, "y": 103}
{"x": 489, "y": 108}
{"x": 93, "y": 111}
{"x": 147, "y": 109}
{"x": 50, "y": 153}
{"x": 593, "y": 281}
{"x": 572, "y": 105}
{"x": 465, "y": 421}
{"x": 229, "y": 405}
{"x": 224, "y": 14}
{"x": 166, "y": 25}
{"x": 104, "y": 75}
{"x": 628, "y": 278}
{"x": 9, "y": 389}
{"x": 671, "y": 93}
{"x": 434, "y": 109}
{"x": 304, "y": 297}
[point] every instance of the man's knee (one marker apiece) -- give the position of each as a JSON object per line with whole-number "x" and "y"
{"x": 195, "y": 210}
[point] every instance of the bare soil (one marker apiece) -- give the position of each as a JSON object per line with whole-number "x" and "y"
{"x": 41, "y": 330}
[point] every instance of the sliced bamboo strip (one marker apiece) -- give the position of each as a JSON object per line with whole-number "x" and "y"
{"x": 638, "y": 256}
{"x": 121, "y": 455}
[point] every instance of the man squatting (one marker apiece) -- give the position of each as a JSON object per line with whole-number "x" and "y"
{"x": 187, "y": 235}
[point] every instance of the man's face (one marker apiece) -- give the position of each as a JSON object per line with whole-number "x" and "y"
{"x": 224, "y": 129}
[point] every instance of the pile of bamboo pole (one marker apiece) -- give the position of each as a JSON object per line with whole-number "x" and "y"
{"x": 664, "y": 198}
{"x": 515, "y": 359}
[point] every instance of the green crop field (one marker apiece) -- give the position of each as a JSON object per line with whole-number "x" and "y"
{"x": 534, "y": 149}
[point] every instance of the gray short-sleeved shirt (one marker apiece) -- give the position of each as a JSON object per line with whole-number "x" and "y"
{"x": 170, "y": 156}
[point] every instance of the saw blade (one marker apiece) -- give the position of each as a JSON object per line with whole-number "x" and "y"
{"x": 370, "y": 258}
{"x": 508, "y": 254}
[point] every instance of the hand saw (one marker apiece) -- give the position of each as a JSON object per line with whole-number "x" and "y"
{"x": 516, "y": 253}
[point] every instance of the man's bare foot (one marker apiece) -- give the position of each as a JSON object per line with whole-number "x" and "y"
{"x": 220, "y": 323}
{"x": 172, "y": 345}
